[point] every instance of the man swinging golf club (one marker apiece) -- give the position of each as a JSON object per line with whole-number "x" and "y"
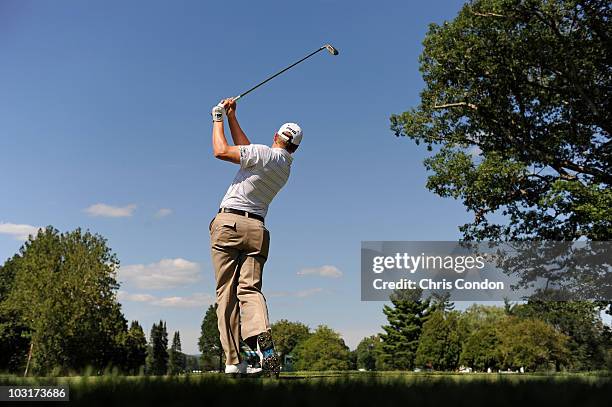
{"x": 239, "y": 240}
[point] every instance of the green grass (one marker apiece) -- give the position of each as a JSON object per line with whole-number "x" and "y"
{"x": 336, "y": 389}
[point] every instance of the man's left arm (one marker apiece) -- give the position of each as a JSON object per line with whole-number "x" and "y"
{"x": 221, "y": 149}
{"x": 238, "y": 135}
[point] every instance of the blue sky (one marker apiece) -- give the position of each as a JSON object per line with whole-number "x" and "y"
{"x": 104, "y": 124}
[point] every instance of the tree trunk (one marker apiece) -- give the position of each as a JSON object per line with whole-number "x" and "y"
{"x": 25, "y": 373}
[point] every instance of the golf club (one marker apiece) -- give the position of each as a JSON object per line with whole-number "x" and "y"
{"x": 327, "y": 47}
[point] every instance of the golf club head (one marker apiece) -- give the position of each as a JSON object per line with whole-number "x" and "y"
{"x": 331, "y": 49}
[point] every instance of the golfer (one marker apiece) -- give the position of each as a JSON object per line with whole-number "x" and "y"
{"x": 239, "y": 240}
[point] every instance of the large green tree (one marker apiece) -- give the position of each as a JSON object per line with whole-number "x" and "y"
{"x": 209, "y": 342}
{"x": 14, "y": 333}
{"x": 287, "y": 335}
{"x": 500, "y": 341}
{"x": 324, "y": 349}
{"x": 532, "y": 344}
{"x": 7, "y": 278}
{"x": 482, "y": 349}
{"x": 441, "y": 341}
{"x": 405, "y": 319}
{"x": 64, "y": 292}
{"x": 588, "y": 337}
{"x": 517, "y": 110}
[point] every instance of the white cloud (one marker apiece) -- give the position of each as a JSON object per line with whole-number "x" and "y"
{"x": 309, "y": 292}
{"x": 163, "y": 212}
{"x": 195, "y": 300}
{"x": 109, "y": 211}
{"x": 166, "y": 273}
{"x": 192, "y": 301}
{"x": 19, "y": 232}
{"x": 123, "y": 295}
{"x": 323, "y": 271}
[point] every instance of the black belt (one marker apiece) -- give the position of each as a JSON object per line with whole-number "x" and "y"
{"x": 242, "y": 213}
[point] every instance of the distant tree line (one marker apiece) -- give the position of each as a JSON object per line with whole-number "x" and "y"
{"x": 59, "y": 315}
{"x": 536, "y": 335}
{"x": 429, "y": 334}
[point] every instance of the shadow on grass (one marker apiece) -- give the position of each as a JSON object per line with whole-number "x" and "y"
{"x": 329, "y": 389}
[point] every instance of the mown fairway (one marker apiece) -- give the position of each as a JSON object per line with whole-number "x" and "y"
{"x": 336, "y": 389}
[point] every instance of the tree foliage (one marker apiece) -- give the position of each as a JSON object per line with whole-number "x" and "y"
{"x": 588, "y": 338}
{"x": 322, "y": 350}
{"x": 510, "y": 342}
{"x": 516, "y": 106}
{"x": 405, "y": 319}
{"x": 14, "y": 333}
{"x": 176, "y": 357}
{"x": 157, "y": 357}
{"x": 64, "y": 293}
{"x": 482, "y": 349}
{"x": 192, "y": 363}
{"x": 532, "y": 344}
{"x": 369, "y": 353}
{"x": 441, "y": 341}
{"x": 209, "y": 342}
{"x": 287, "y": 335}
{"x": 136, "y": 349}
{"x": 478, "y": 315}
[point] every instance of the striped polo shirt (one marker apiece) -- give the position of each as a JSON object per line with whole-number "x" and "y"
{"x": 263, "y": 172}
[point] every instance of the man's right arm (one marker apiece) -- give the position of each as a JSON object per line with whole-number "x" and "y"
{"x": 221, "y": 149}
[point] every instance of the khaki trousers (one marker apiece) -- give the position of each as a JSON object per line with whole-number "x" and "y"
{"x": 239, "y": 248}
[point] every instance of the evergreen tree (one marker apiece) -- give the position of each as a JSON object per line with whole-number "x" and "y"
{"x": 149, "y": 361}
{"x": 176, "y": 358}
{"x": 164, "y": 345}
{"x": 158, "y": 362}
{"x": 210, "y": 342}
{"x": 401, "y": 338}
{"x": 136, "y": 349}
{"x": 149, "y": 357}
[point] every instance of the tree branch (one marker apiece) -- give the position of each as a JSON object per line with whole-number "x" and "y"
{"x": 562, "y": 173}
{"x": 470, "y": 105}
{"x": 487, "y": 14}
{"x": 607, "y": 178}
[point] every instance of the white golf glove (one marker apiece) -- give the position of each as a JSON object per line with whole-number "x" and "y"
{"x": 217, "y": 113}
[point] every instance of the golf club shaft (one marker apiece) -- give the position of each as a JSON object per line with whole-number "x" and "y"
{"x": 278, "y": 73}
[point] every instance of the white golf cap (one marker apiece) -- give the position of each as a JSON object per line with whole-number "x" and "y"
{"x": 290, "y": 132}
